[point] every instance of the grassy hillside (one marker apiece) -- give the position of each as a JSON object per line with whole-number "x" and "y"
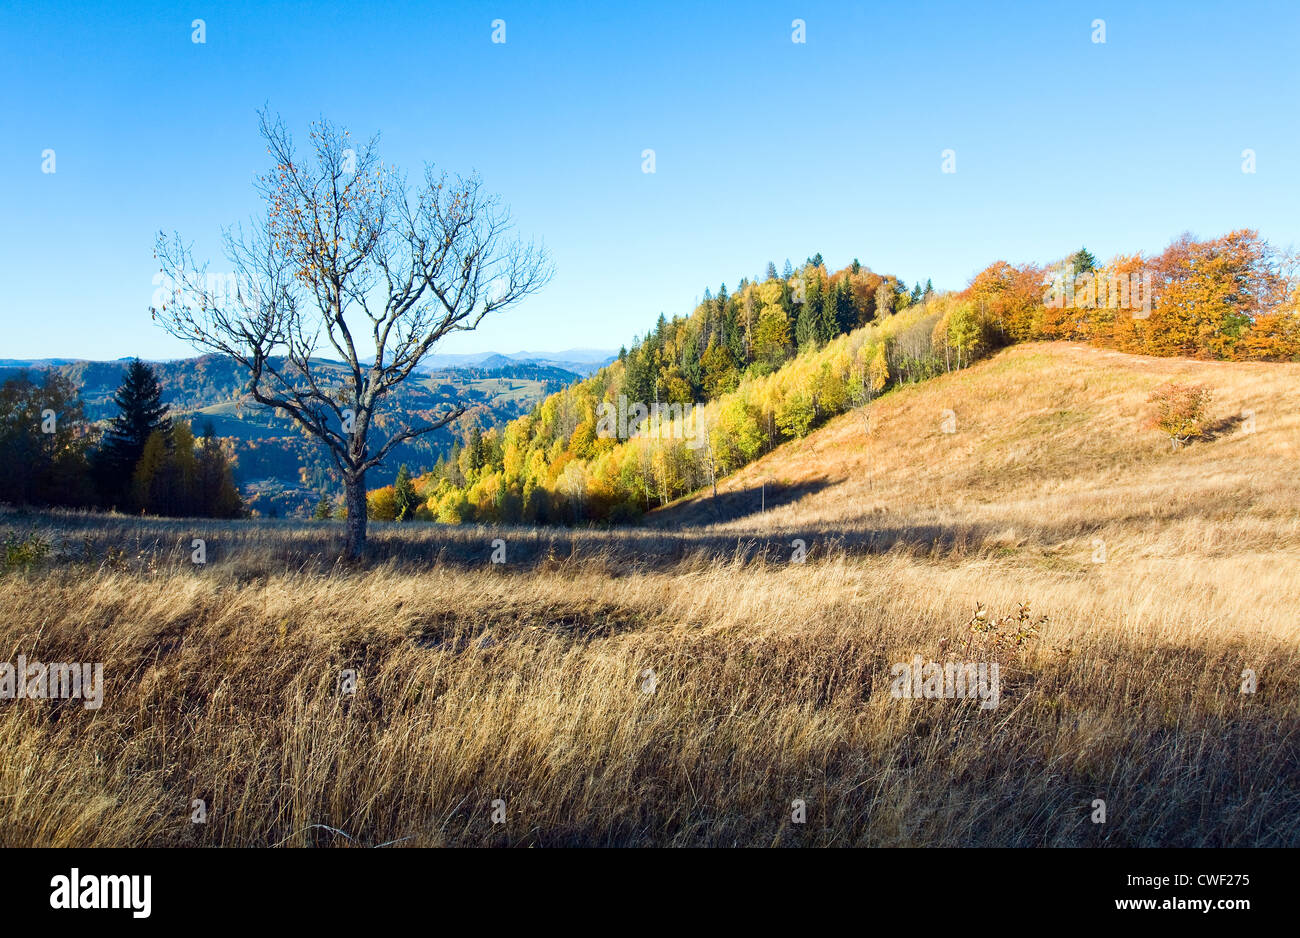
{"x": 685, "y": 684}
{"x": 1047, "y": 449}
{"x": 780, "y": 357}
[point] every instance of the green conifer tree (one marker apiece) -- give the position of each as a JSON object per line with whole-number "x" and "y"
{"x": 141, "y": 412}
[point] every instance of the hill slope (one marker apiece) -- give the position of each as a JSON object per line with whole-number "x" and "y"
{"x": 1047, "y": 448}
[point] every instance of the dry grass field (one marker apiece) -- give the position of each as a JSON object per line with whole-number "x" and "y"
{"x": 685, "y": 682}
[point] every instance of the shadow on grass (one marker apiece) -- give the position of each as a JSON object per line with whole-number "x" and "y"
{"x": 249, "y": 551}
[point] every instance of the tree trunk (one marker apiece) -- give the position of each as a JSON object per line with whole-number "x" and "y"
{"x": 355, "y": 486}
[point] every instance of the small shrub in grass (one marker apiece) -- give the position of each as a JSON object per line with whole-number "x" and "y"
{"x": 24, "y": 551}
{"x": 1180, "y": 411}
{"x": 1010, "y": 632}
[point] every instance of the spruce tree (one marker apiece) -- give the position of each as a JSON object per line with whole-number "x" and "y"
{"x": 475, "y": 448}
{"x": 141, "y": 413}
{"x": 1083, "y": 262}
{"x": 806, "y": 328}
{"x": 404, "y": 497}
{"x": 324, "y": 509}
{"x": 638, "y": 381}
{"x": 829, "y": 326}
{"x": 846, "y": 314}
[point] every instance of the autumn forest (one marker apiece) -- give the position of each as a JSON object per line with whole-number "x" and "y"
{"x": 776, "y": 357}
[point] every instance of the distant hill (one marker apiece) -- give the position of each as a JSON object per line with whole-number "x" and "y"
{"x": 279, "y": 469}
{"x": 35, "y": 362}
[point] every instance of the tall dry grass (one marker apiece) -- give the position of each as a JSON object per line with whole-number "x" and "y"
{"x": 772, "y": 683}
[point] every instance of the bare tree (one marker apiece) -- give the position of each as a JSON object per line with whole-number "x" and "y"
{"x": 347, "y": 254}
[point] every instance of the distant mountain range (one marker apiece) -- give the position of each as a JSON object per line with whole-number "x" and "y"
{"x": 41, "y": 362}
{"x": 279, "y": 470}
{"x": 579, "y": 361}
{"x": 583, "y": 361}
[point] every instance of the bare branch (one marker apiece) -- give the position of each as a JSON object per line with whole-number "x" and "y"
{"x": 347, "y": 248}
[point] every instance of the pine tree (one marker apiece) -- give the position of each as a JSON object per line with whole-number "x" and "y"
{"x": 807, "y": 331}
{"x": 829, "y": 325}
{"x": 141, "y": 412}
{"x": 475, "y": 446}
{"x": 815, "y": 303}
{"x": 404, "y": 498}
{"x": 638, "y": 382}
{"x": 1083, "y": 262}
{"x": 846, "y": 315}
{"x": 324, "y": 508}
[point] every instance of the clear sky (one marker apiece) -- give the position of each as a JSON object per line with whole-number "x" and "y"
{"x": 765, "y": 149}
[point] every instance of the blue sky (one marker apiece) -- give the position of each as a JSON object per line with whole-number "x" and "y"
{"x": 765, "y": 149}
